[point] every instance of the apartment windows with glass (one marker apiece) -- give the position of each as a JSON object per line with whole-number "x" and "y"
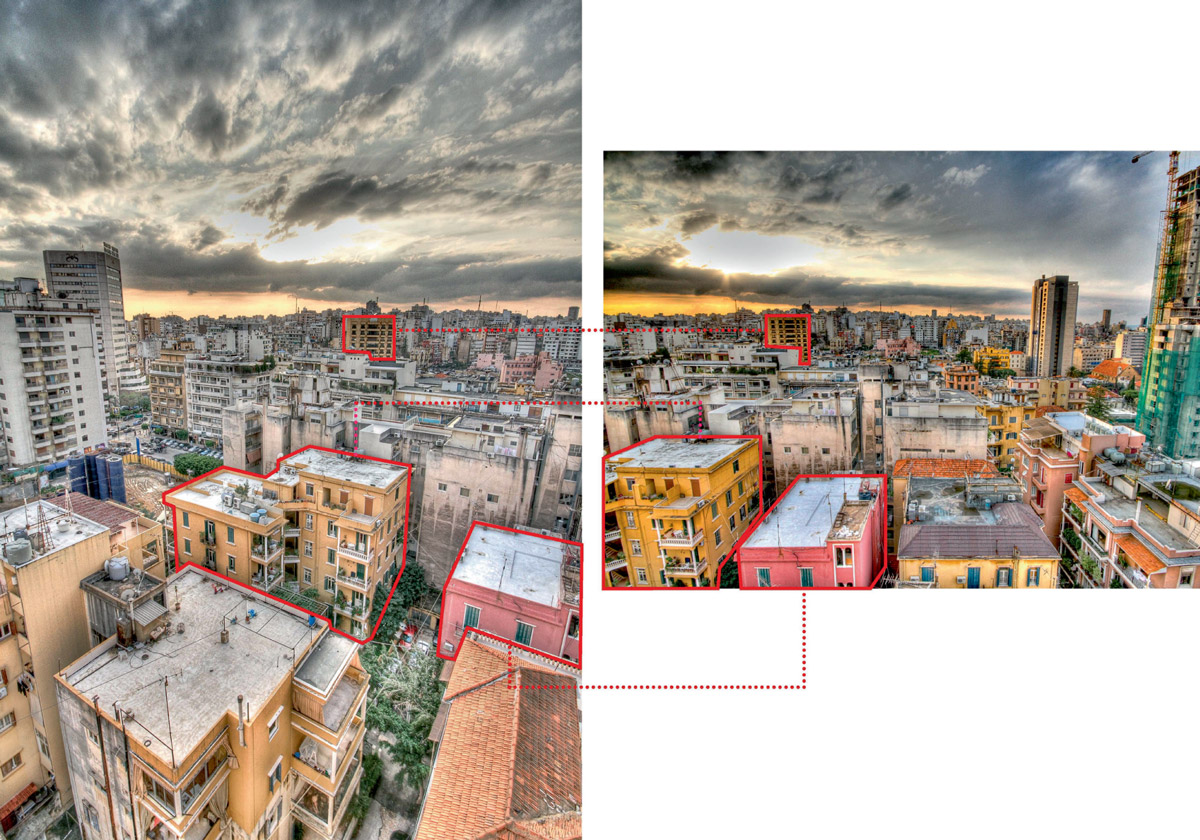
{"x": 524, "y": 633}
{"x": 843, "y": 556}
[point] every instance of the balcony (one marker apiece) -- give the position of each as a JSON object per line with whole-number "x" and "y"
{"x": 291, "y": 532}
{"x": 613, "y": 536}
{"x": 354, "y": 582}
{"x": 687, "y": 569}
{"x": 616, "y": 563}
{"x": 354, "y": 553}
{"x": 353, "y": 609}
{"x": 680, "y": 539}
{"x": 266, "y": 579}
{"x": 262, "y": 554}
{"x": 1134, "y": 576}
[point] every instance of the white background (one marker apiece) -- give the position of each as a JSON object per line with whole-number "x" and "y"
{"x": 932, "y": 714}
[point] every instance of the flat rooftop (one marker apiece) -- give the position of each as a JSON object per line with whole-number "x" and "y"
{"x": 204, "y": 676}
{"x": 1006, "y": 529}
{"x": 696, "y": 453}
{"x": 348, "y": 467}
{"x": 807, "y": 513}
{"x": 520, "y": 565}
{"x": 328, "y": 658}
{"x": 65, "y": 529}
{"x": 208, "y": 493}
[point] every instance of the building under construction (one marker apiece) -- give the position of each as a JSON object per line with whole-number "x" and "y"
{"x": 1169, "y": 402}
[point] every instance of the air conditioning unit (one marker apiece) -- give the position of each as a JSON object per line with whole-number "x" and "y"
{"x": 1011, "y": 497}
{"x": 914, "y": 577}
{"x": 961, "y": 579}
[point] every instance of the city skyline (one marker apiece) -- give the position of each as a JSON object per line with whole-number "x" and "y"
{"x": 240, "y": 156}
{"x": 905, "y": 231}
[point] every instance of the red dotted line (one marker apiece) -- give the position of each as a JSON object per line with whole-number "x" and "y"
{"x": 526, "y": 402}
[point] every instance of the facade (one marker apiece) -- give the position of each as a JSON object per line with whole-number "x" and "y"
{"x": 213, "y": 383}
{"x": 326, "y": 526}
{"x": 1130, "y": 345}
{"x": 516, "y": 585}
{"x": 933, "y": 424}
{"x": 916, "y": 468}
{"x": 517, "y": 715}
{"x": 1005, "y": 421}
{"x": 973, "y": 534}
{"x": 1061, "y": 392}
{"x": 92, "y": 280}
{"x": 816, "y": 435}
{"x": 789, "y": 331}
{"x": 681, "y": 504}
{"x": 994, "y": 358}
{"x": 824, "y": 532}
{"x": 1052, "y": 325}
{"x": 962, "y": 378}
{"x": 374, "y": 335}
{"x": 539, "y": 369}
{"x": 50, "y": 548}
{"x": 1088, "y": 356}
{"x": 52, "y": 399}
{"x": 1058, "y": 449}
{"x": 168, "y": 388}
{"x": 266, "y": 716}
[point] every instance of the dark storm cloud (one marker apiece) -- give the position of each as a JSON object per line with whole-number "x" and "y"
{"x": 182, "y": 116}
{"x": 903, "y": 227}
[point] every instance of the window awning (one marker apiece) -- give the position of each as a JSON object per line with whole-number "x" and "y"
{"x": 17, "y": 801}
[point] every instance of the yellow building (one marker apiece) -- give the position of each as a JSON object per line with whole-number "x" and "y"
{"x": 1061, "y": 391}
{"x": 50, "y": 548}
{"x": 1005, "y": 422}
{"x": 240, "y": 718}
{"x": 374, "y": 335}
{"x": 681, "y": 504}
{"x": 973, "y": 534}
{"x": 326, "y": 526}
{"x": 995, "y": 357}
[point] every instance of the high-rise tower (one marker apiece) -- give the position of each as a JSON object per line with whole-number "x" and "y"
{"x": 1052, "y": 325}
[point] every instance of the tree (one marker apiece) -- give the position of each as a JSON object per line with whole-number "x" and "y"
{"x": 1074, "y": 372}
{"x": 1130, "y": 395}
{"x": 193, "y": 465}
{"x": 729, "y": 575}
{"x": 1003, "y": 373}
{"x": 1096, "y": 406}
{"x": 403, "y": 704}
{"x": 964, "y": 355}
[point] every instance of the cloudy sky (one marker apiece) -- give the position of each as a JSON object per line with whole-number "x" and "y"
{"x": 240, "y": 153}
{"x": 963, "y": 232}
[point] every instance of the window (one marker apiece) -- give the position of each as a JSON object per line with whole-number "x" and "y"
{"x": 308, "y": 575}
{"x": 441, "y": 487}
{"x": 1185, "y": 577}
{"x": 276, "y": 775}
{"x": 524, "y": 633}
{"x": 1033, "y": 576}
{"x": 273, "y": 724}
{"x": 308, "y": 521}
{"x": 715, "y": 511}
{"x": 8, "y": 721}
{"x": 728, "y": 498}
{"x": 1004, "y": 577}
{"x": 159, "y": 793}
{"x": 717, "y": 537}
{"x": 308, "y": 548}
{"x": 573, "y": 627}
{"x": 232, "y": 563}
{"x": 732, "y": 524}
{"x": 630, "y": 519}
{"x": 806, "y": 576}
{"x": 331, "y": 557}
{"x": 330, "y": 584}
{"x": 843, "y": 556}
{"x": 736, "y": 465}
{"x": 641, "y": 576}
{"x": 229, "y": 534}
{"x": 927, "y": 574}
{"x": 635, "y": 548}
{"x": 764, "y": 577}
{"x": 493, "y": 498}
{"x": 187, "y": 546}
{"x": 185, "y": 520}
{"x": 471, "y": 616}
{"x": 574, "y": 449}
{"x": 463, "y": 491}
{"x": 331, "y": 529}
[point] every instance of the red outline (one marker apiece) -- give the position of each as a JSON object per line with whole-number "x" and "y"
{"x": 509, "y": 642}
{"x": 806, "y": 361}
{"x": 754, "y": 526}
{"x": 367, "y": 353}
{"x": 329, "y": 622}
{"x": 716, "y": 586}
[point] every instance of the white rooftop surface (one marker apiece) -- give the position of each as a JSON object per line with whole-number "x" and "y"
{"x": 207, "y": 493}
{"x": 26, "y": 516}
{"x": 680, "y": 453}
{"x": 520, "y": 565}
{"x": 352, "y": 468}
{"x": 326, "y": 661}
{"x": 805, "y": 514}
{"x": 205, "y": 677}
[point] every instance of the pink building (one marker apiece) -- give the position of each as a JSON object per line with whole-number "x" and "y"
{"x": 515, "y": 585}
{"x": 825, "y": 531}
{"x": 541, "y": 370}
{"x": 892, "y": 347}
{"x": 489, "y": 360}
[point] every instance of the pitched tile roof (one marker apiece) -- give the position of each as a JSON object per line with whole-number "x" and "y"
{"x": 1143, "y": 557}
{"x": 1017, "y": 526}
{"x": 1110, "y": 369}
{"x": 509, "y": 765}
{"x": 1076, "y": 495}
{"x": 109, "y": 514}
{"x": 944, "y": 468}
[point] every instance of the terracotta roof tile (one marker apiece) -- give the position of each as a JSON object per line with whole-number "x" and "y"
{"x": 1076, "y": 495}
{"x": 509, "y": 765}
{"x": 943, "y": 468}
{"x": 1110, "y": 368}
{"x": 1142, "y": 557}
{"x": 109, "y": 514}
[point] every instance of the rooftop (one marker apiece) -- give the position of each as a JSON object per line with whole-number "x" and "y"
{"x": 813, "y": 511}
{"x": 327, "y": 659}
{"x": 111, "y": 515}
{"x": 343, "y": 467}
{"x": 944, "y": 468}
{"x": 204, "y": 677}
{"x": 65, "y": 529}
{"x": 696, "y": 453}
{"x": 1005, "y": 529}
{"x": 520, "y": 565}
{"x": 217, "y": 493}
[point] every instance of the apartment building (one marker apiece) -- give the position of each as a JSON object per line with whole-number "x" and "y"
{"x": 517, "y": 714}
{"x": 215, "y": 382}
{"x": 973, "y": 534}
{"x": 925, "y": 422}
{"x": 1061, "y": 391}
{"x": 790, "y": 331}
{"x": 515, "y": 585}
{"x": 49, "y": 549}
{"x": 1087, "y": 356}
{"x": 1136, "y": 525}
{"x": 962, "y": 378}
{"x": 325, "y": 525}
{"x": 1058, "y": 449}
{"x": 374, "y": 335}
{"x": 168, "y": 387}
{"x": 1052, "y": 324}
{"x": 1005, "y": 420}
{"x": 817, "y": 434}
{"x": 824, "y": 531}
{"x": 51, "y": 393}
{"x": 253, "y": 721}
{"x": 992, "y": 358}
{"x": 910, "y": 468}
{"x": 539, "y": 369}
{"x": 681, "y": 505}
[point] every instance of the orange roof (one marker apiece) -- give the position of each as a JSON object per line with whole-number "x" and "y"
{"x": 1110, "y": 368}
{"x": 1076, "y": 495}
{"x": 509, "y": 764}
{"x": 1141, "y": 556}
{"x": 1042, "y": 410}
{"x": 943, "y": 468}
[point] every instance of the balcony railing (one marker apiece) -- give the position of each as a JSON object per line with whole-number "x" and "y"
{"x": 354, "y": 582}
{"x": 686, "y": 569}
{"x": 353, "y": 553}
{"x": 618, "y": 563}
{"x": 680, "y": 539}
{"x": 613, "y": 535}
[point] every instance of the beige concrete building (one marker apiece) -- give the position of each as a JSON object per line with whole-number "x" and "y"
{"x": 49, "y": 549}
{"x": 240, "y": 718}
{"x": 1052, "y": 325}
{"x": 168, "y": 387}
{"x": 371, "y": 334}
{"x": 324, "y": 521}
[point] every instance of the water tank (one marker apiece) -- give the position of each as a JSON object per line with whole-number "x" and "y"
{"x": 18, "y": 552}
{"x": 254, "y": 517}
{"x": 77, "y": 474}
{"x": 117, "y": 568}
{"x": 116, "y": 478}
{"x": 262, "y": 512}
{"x": 1118, "y": 457}
{"x": 101, "y": 479}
